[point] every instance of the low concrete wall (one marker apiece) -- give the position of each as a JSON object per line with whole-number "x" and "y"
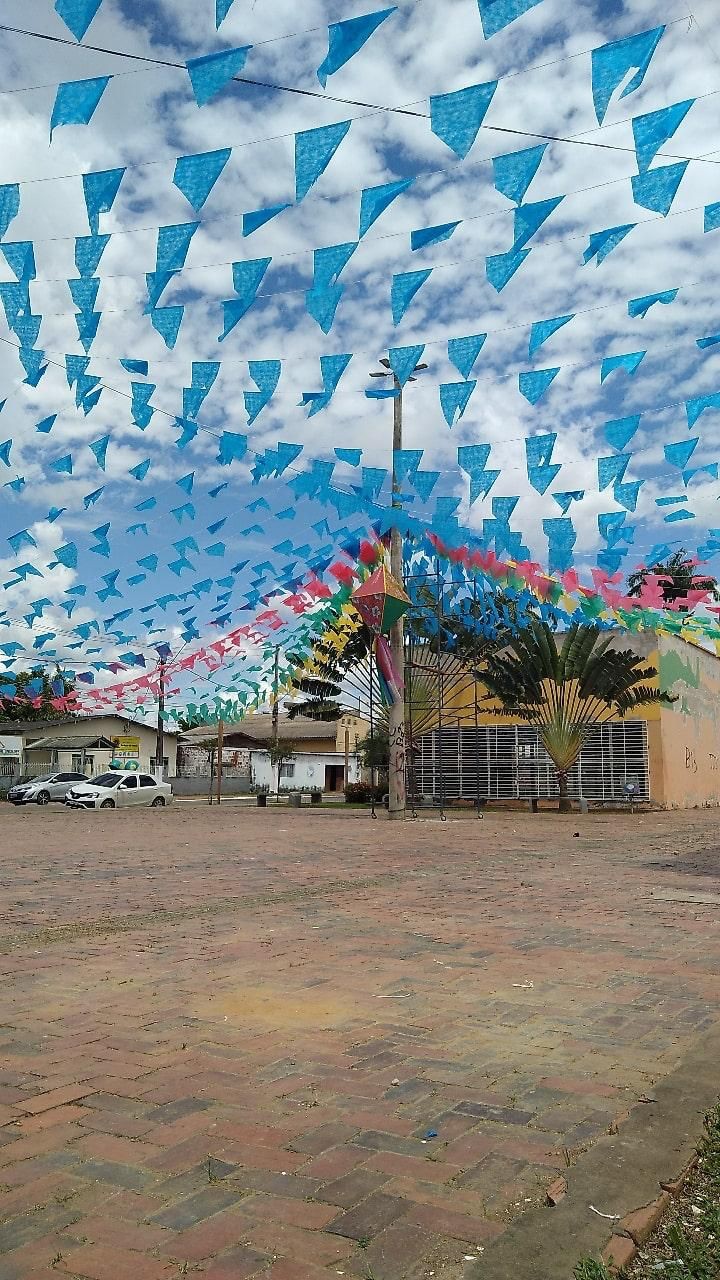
{"x": 201, "y": 786}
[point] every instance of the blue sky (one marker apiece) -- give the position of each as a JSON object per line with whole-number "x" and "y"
{"x": 148, "y": 117}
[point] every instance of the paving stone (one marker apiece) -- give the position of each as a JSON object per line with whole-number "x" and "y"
{"x": 492, "y": 1174}
{"x": 503, "y": 1115}
{"x": 121, "y": 1126}
{"x": 205, "y": 1239}
{"x": 317, "y": 1247}
{"x": 123, "y": 1235}
{"x": 21, "y": 1231}
{"x": 185, "y": 1213}
{"x": 296, "y": 1213}
{"x": 238, "y": 1264}
{"x": 367, "y": 1218}
{"x": 171, "y": 1111}
{"x": 444, "y": 1221}
{"x": 100, "y": 1262}
{"x": 394, "y": 1254}
{"x": 352, "y": 1188}
{"x": 106, "y": 1146}
{"x": 54, "y": 1098}
{"x": 326, "y": 1135}
{"x": 118, "y": 1105}
{"x": 294, "y": 1186}
{"x": 374, "y": 1141}
{"x": 118, "y": 1175}
{"x": 335, "y": 1163}
{"x": 286, "y": 1269}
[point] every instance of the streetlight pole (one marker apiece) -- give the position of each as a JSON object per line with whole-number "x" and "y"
{"x": 396, "y": 710}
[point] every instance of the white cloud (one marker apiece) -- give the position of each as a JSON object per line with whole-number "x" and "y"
{"x": 148, "y": 117}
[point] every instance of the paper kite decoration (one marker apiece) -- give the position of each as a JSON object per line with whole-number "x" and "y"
{"x": 380, "y": 600}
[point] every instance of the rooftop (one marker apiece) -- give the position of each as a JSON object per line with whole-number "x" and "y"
{"x": 259, "y": 728}
{"x": 49, "y": 726}
{"x": 70, "y": 744}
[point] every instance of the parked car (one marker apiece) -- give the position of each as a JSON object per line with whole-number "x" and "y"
{"x": 43, "y": 789}
{"x": 117, "y": 790}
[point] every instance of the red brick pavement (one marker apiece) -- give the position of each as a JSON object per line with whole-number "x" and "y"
{"x": 237, "y": 1043}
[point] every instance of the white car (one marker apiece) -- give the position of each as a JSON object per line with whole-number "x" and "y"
{"x": 117, "y": 790}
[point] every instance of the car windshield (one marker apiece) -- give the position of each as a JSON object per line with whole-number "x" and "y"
{"x": 106, "y": 780}
{"x": 42, "y": 777}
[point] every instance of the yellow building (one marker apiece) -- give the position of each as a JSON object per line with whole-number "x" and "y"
{"x": 669, "y": 755}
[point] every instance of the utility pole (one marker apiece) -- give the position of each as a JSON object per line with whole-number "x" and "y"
{"x": 396, "y": 710}
{"x": 160, "y": 740}
{"x": 221, "y": 730}
{"x": 276, "y": 712}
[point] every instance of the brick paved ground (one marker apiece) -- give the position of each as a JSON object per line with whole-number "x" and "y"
{"x": 237, "y": 1043}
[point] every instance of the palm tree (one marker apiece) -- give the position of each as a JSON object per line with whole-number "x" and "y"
{"x": 320, "y": 677}
{"x": 566, "y": 691}
{"x": 680, "y": 571}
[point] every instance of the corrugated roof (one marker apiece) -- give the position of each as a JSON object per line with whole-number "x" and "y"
{"x": 259, "y": 728}
{"x": 69, "y": 744}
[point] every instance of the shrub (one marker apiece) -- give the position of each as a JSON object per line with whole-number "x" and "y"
{"x": 362, "y": 792}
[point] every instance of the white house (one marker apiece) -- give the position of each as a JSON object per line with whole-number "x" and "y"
{"x": 82, "y": 744}
{"x": 318, "y": 759}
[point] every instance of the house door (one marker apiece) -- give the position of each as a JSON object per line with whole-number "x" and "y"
{"x": 334, "y": 777}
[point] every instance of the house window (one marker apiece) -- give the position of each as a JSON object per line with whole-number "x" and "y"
{"x": 287, "y": 770}
{"x": 83, "y": 766}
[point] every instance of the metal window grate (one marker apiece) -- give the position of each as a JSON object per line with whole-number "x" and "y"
{"x": 509, "y": 763}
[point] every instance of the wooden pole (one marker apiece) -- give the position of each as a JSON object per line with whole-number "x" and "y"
{"x": 221, "y": 730}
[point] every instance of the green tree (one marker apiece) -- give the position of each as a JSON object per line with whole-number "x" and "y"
{"x": 680, "y": 571}
{"x": 281, "y": 752}
{"x": 566, "y": 690}
{"x": 14, "y": 711}
{"x": 187, "y": 722}
{"x": 375, "y": 750}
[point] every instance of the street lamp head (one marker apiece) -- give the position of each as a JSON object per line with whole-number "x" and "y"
{"x": 387, "y": 371}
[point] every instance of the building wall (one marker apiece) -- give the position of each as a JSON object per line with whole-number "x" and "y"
{"x": 110, "y": 727}
{"x": 690, "y": 728}
{"x": 308, "y": 770}
{"x": 113, "y": 727}
{"x": 65, "y": 762}
{"x": 194, "y": 761}
{"x": 683, "y": 739}
{"x": 356, "y": 729}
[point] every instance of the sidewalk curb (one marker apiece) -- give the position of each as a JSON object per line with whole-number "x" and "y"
{"x": 632, "y": 1174}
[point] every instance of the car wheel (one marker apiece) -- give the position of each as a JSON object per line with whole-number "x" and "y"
{"x": 43, "y": 797}
{"x": 108, "y": 804}
{"x": 158, "y": 803}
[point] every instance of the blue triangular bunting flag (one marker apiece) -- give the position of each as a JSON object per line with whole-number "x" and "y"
{"x": 456, "y": 117}
{"x": 346, "y": 39}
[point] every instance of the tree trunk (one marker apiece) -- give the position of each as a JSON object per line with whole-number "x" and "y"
{"x": 565, "y": 804}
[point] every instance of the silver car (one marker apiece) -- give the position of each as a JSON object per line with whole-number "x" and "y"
{"x": 41, "y": 790}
